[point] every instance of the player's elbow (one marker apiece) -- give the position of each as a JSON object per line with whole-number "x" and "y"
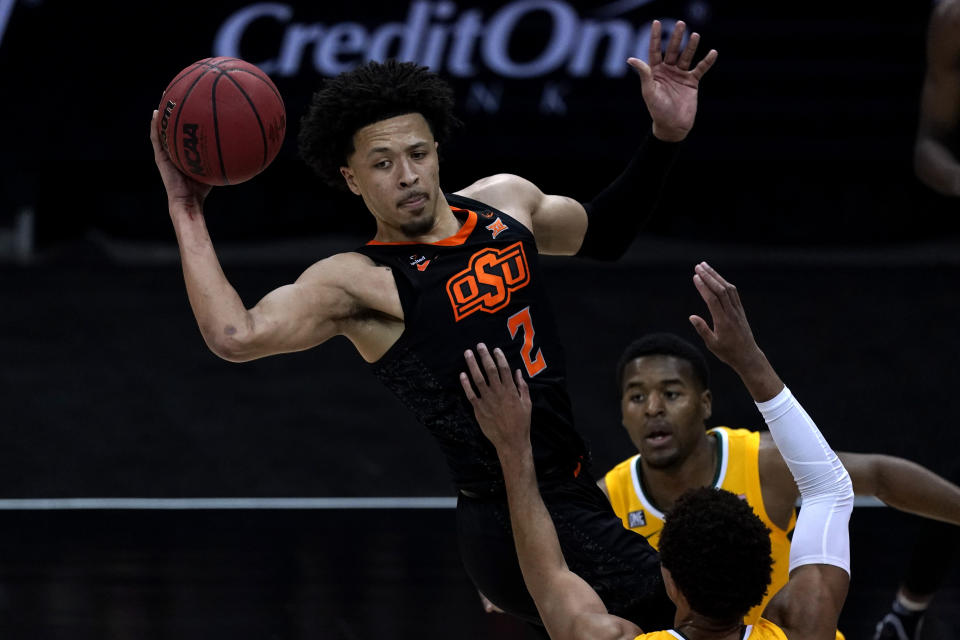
{"x": 234, "y": 344}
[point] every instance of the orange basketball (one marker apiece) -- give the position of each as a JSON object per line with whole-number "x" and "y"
{"x": 222, "y": 121}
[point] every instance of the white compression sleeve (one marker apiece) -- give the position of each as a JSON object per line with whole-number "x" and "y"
{"x": 821, "y": 535}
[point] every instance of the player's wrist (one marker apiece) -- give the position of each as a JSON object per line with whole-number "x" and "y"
{"x": 669, "y": 134}
{"x": 515, "y": 456}
{"x": 185, "y": 206}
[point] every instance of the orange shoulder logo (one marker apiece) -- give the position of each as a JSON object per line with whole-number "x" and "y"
{"x": 489, "y": 279}
{"x": 496, "y": 227}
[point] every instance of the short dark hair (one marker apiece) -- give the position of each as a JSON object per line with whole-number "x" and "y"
{"x": 718, "y": 552}
{"x": 664, "y": 344}
{"x": 370, "y": 93}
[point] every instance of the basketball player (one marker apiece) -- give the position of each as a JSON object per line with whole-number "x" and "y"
{"x": 446, "y": 270}
{"x": 665, "y": 403}
{"x": 715, "y": 552}
{"x": 937, "y": 147}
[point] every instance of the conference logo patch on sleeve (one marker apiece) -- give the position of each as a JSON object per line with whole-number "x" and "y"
{"x": 636, "y": 519}
{"x": 489, "y": 279}
{"x": 496, "y": 227}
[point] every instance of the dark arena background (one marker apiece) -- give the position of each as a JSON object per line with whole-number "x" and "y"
{"x": 149, "y": 489}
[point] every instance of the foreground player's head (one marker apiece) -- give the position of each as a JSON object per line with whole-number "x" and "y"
{"x": 716, "y": 555}
{"x": 368, "y": 94}
{"x": 665, "y": 398}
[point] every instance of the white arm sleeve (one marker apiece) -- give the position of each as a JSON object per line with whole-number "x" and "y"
{"x": 822, "y": 535}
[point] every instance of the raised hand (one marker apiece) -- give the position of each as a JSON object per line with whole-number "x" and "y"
{"x": 668, "y": 84}
{"x": 501, "y": 402}
{"x": 181, "y": 189}
{"x": 731, "y": 338}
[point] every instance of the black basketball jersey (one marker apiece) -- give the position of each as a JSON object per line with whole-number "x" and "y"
{"x": 480, "y": 285}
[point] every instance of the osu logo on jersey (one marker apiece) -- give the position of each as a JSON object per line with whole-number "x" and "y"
{"x": 489, "y": 279}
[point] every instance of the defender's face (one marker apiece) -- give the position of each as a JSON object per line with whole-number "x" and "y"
{"x": 664, "y": 408}
{"x": 395, "y": 169}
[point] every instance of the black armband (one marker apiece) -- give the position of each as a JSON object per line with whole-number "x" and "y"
{"x": 616, "y": 214}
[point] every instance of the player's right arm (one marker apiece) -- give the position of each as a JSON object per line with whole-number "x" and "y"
{"x": 605, "y": 226}
{"x": 568, "y": 606}
{"x": 331, "y": 297}
{"x": 808, "y": 607}
{"x": 934, "y": 162}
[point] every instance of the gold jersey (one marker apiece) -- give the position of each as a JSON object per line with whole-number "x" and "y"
{"x": 762, "y": 630}
{"x": 737, "y": 471}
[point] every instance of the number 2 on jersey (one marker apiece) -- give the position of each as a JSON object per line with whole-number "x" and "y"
{"x": 522, "y": 319}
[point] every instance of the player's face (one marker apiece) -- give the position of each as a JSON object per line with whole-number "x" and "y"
{"x": 394, "y": 168}
{"x": 664, "y": 409}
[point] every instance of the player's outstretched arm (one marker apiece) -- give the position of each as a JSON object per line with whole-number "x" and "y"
{"x": 935, "y": 163}
{"x": 569, "y": 608}
{"x": 319, "y": 305}
{"x": 808, "y": 607}
{"x": 604, "y": 227}
{"x": 897, "y": 482}
{"x": 903, "y": 485}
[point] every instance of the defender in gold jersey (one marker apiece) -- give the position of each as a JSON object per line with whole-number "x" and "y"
{"x": 714, "y": 551}
{"x": 665, "y": 403}
{"x": 736, "y": 471}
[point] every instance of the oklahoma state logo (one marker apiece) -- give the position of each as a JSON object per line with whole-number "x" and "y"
{"x": 489, "y": 279}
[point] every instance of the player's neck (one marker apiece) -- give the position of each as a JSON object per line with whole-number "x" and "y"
{"x": 696, "y": 627}
{"x": 445, "y": 224}
{"x": 699, "y": 469}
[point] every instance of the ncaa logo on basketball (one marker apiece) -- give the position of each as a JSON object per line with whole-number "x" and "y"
{"x": 191, "y": 148}
{"x": 491, "y": 276}
{"x": 636, "y": 519}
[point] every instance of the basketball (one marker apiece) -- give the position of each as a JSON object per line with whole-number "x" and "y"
{"x": 222, "y": 121}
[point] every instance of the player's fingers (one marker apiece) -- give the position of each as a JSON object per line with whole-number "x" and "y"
{"x": 704, "y": 65}
{"x": 467, "y": 387}
{"x": 730, "y": 289}
{"x": 642, "y": 69}
{"x": 489, "y": 366}
{"x": 686, "y": 58}
{"x": 673, "y": 45}
{"x": 655, "y": 56}
{"x": 503, "y": 367}
{"x": 726, "y": 291}
{"x": 474, "y": 370}
{"x": 707, "y": 293}
{"x": 709, "y": 279}
{"x": 719, "y": 310}
{"x": 702, "y": 328}
{"x": 522, "y": 387}
{"x": 154, "y": 137}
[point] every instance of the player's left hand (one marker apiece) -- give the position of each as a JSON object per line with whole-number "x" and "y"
{"x": 668, "y": 84}
{"x": 731, "y": 338}
{"x": 501, "y": 401}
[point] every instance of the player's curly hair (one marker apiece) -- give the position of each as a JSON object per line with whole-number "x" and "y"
{"x": 370, "y": 93}
{"x": 664, "y": 344}
{"x": 718, "y": 552}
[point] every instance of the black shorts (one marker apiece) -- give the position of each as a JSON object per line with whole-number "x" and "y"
{"x": 619, "y": 564}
